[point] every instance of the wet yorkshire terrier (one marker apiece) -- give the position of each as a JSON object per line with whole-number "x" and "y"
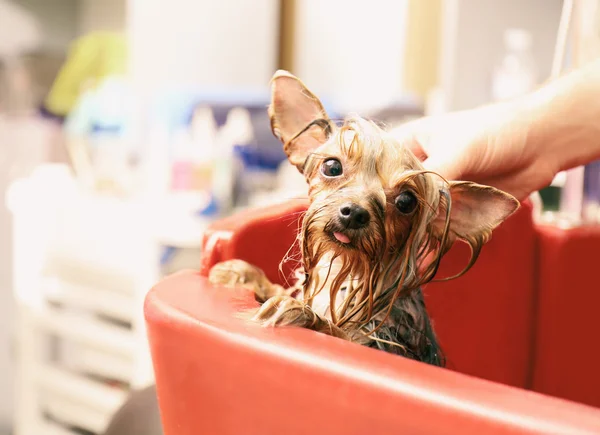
{"x": 374, "y": 233}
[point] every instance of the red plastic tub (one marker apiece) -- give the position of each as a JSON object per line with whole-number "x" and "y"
{"x": 505, "y": 326}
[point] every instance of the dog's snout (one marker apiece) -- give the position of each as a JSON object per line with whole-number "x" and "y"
{"x": 354, "y": 216}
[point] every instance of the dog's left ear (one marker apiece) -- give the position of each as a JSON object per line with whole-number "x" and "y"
{"x": 293, "y": 107}
{"x": 476, "y": 210}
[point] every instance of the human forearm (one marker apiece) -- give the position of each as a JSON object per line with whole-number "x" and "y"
{"x": 517, "y": 146}
{"x": 565, "y": 122}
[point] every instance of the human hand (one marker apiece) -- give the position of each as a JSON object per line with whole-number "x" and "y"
{"x": 491, "y": 145}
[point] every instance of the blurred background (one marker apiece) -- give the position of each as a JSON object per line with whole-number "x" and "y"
{"x": 127, "y": 126}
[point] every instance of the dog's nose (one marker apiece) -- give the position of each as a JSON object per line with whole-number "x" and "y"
{"x": 354, "y": 216}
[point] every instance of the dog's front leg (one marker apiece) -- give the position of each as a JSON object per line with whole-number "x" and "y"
{"x": 285, "y": 310}
{"x": 239, "y": 273}
{"x": 279, "y": 307}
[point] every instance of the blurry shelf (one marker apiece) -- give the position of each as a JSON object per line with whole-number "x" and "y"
{"x": 85, "y": 359}
{"x": 74, "y": 270}
{"x": 177, "y": 222}
{"x": 83, "y": 264}
{"x": 182, "y": 235}
{"x": 84, "y": 329}
{"x": 111, "y": 303}
{"x": 73, "y": 413}
{"x": 94, "y": 395}
{"x": 50, "y": 428}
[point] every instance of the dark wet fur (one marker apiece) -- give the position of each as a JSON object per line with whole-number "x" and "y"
{"x": 410, "y": 328}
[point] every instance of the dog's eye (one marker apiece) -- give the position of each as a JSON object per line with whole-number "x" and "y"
{"x": 332, "y": 168}
{"x": 406, "y": 202}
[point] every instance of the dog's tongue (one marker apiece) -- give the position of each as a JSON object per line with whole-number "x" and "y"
{"x": 341, "y": 237}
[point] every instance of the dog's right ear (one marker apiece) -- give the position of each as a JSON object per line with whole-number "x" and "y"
{"x": 293, "y": 107}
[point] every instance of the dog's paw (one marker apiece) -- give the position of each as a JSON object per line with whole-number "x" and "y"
{"x": 234, "y": 273}
{"x": 285, "y": 310}
{"x": 238, "y": 273}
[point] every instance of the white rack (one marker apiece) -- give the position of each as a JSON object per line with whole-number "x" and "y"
{"x": 82, "y": 266}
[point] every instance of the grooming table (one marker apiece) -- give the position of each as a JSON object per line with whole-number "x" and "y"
{"x": 505, "y": 328}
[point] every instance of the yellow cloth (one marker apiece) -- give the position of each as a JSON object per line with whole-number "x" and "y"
{"x": 91, "y": 58}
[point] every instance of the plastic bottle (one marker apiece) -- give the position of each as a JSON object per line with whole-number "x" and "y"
{"x": 157, "y": 165}
{"x": 237, "y": 131}
{"x": 516, "y": 74}
{"x": 204, "y": 135}
{"x": 181, "y": 168}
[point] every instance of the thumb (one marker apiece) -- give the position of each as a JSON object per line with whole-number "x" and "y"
{"x": 447, "y": 166}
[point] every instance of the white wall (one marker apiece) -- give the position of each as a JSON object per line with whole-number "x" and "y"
{"x": 19, "y": 29}
{"x": 351, "y": 50}
{"x": 101, "y": 15}
{"x": 473, "y": 43}
{"x": 204, "y": 43}
{"x": 56, "y": 20}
